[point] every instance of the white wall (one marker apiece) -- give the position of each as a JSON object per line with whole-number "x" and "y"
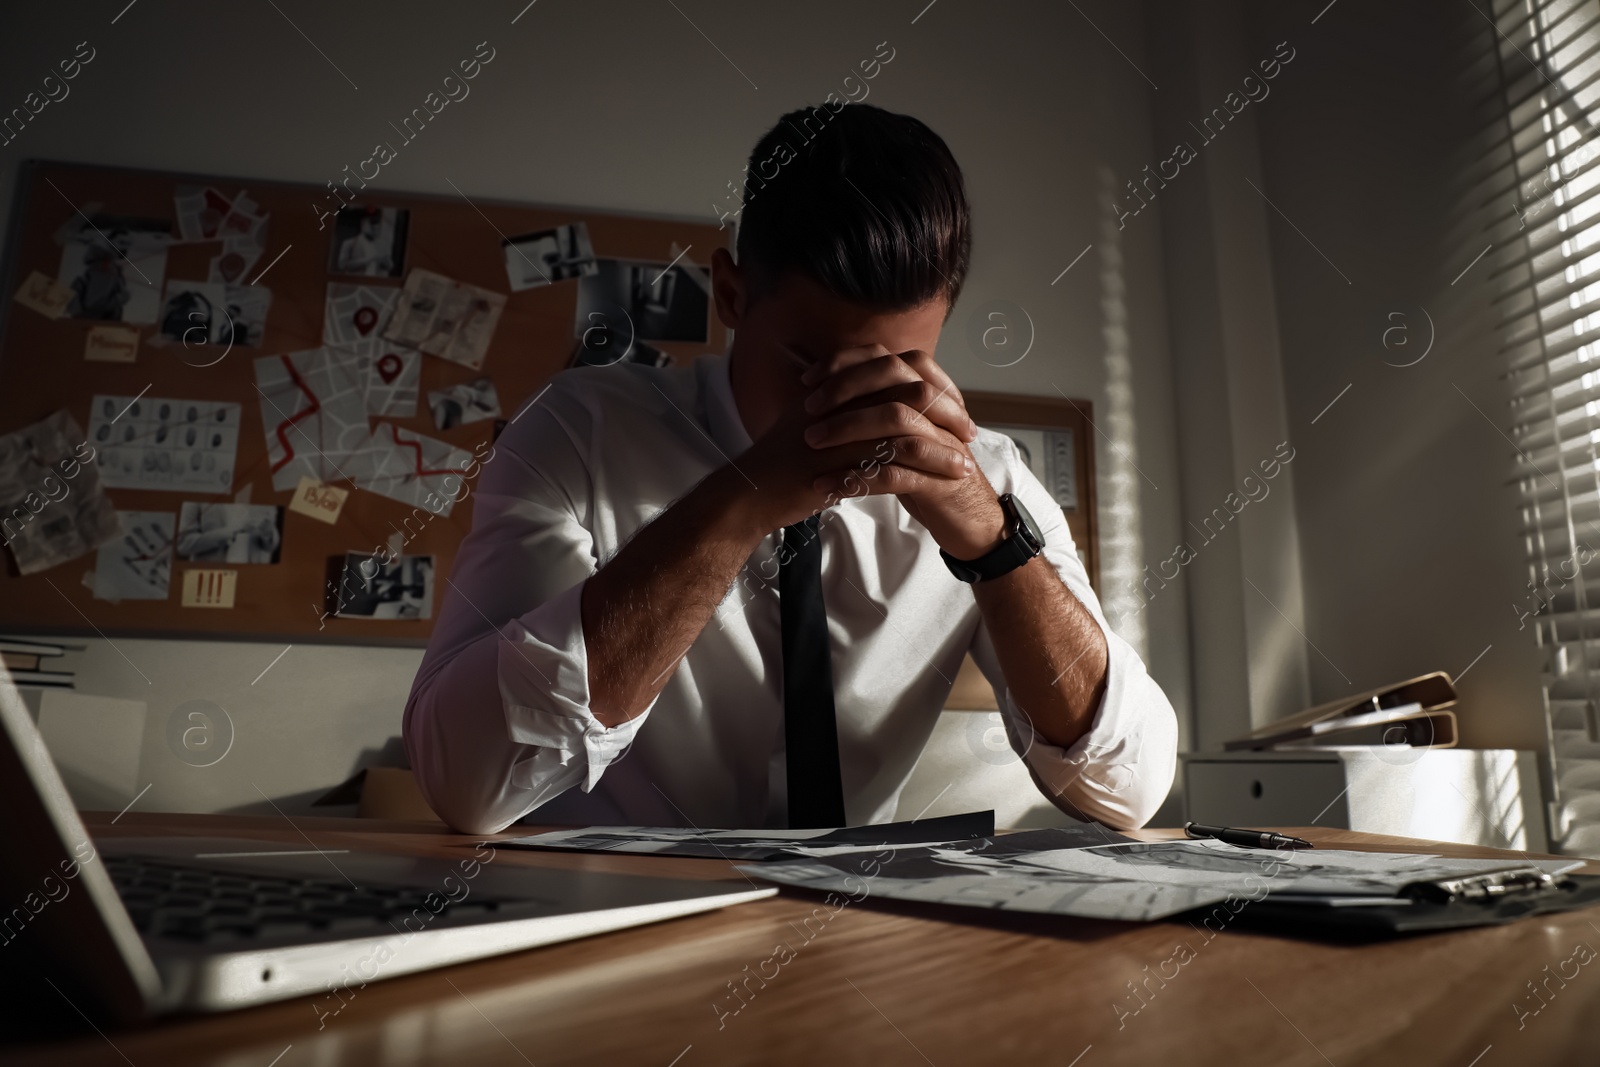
{"x": 1238, "y": 546}
{"x": 627, "y": 106}
{"x": 1407, "y": 514}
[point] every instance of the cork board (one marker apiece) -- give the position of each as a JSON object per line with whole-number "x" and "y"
{"x": 43, "y": 368}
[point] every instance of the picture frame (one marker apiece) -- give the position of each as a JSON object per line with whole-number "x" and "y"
{"x": 1056, "y": 438}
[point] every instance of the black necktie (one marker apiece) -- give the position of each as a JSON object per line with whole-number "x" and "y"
{"x": 816, "y": 795}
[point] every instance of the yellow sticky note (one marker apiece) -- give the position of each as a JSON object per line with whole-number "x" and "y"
{"x": 206, "y": 588}
{"x": 45, "y": 295}
{"x": 320, "y": 502}
{"x": 112, "y": 344}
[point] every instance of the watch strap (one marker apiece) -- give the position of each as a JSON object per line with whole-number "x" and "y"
{"x": 1017, "y": 549}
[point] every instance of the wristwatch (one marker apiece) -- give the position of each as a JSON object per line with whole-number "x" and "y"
{"x": 1023, "y": 542}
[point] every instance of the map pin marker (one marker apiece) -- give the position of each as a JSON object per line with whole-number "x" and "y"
{"x": 389, "y": 366}
{"x": 366, "y": 319}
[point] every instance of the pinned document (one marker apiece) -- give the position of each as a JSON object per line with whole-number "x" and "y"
{"x": 206, "y": 588}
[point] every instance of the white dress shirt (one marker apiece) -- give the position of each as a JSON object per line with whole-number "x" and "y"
{"x": 498, "y": 724}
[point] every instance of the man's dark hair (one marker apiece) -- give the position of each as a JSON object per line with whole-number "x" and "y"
{"x": 865, "y": 202}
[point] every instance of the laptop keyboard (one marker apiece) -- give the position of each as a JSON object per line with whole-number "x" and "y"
{"x": 206, "y": 905}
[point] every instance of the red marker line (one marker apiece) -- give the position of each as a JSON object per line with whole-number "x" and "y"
{"x": 316, "y": 406}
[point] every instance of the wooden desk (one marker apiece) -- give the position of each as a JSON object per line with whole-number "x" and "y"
{"x": 887, "y": 987}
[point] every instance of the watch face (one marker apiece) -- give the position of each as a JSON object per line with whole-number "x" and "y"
{"x": 1026, "y": 527}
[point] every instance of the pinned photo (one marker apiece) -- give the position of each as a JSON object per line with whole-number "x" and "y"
{"x": 370, "y": 242}
{"x": 604, "y": 348}
{"x": 114, "y": 267}
{"x": 536, "y": 259}
{"x": 467, "y": 402}
{"x": 659, "y": 302}
{"x": 213, "y": 314}
{"x": 369, "y": 588}
{"x": 230, "y": 533}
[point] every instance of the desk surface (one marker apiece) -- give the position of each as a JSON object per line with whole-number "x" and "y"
{"x": 891, "y": 987}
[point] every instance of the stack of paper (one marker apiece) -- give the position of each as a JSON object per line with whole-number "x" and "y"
{"x": 1123, "y": 880}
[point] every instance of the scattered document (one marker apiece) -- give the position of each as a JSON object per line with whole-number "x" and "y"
{"x": 1129, "y": 881}
{"x": 760, "y": 845}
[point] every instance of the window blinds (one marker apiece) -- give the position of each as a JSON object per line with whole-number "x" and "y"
{"x": 1544, "y": 163}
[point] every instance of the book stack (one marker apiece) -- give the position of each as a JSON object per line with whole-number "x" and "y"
{"x": 23, "y": 659}
{"x": 1414, "y": 713}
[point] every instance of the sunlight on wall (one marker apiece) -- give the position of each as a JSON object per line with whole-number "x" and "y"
{"x": 1121, "y": 544}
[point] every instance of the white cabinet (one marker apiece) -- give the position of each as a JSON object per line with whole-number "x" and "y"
{"x": 1472, "y": 796}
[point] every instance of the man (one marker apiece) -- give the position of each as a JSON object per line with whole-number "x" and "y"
{"x": 368, "y": 251}
{"x": 727, "y": 594}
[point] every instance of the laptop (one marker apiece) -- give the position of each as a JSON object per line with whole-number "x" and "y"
{"x": 126, "y": 928}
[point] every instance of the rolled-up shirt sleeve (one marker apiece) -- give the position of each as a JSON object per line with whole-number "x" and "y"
{"x": 1121, "y": 770}
{"x": 498, "y": 721}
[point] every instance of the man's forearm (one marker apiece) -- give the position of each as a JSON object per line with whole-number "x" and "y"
{"x": 1050, "y": 647}
{"x": 648, "y": 603}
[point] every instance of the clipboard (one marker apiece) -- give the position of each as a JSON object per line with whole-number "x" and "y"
{"x": 1492, "y": 899}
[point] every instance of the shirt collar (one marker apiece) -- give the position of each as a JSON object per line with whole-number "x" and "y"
{"x": 722, "y": 414}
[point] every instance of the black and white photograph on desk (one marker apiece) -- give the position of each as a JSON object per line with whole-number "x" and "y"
{"x": 369, "y": 242}
{"x": 549, "y": 256}
{"x": 661, "y": 301}
{"x": 373, "y": 586}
